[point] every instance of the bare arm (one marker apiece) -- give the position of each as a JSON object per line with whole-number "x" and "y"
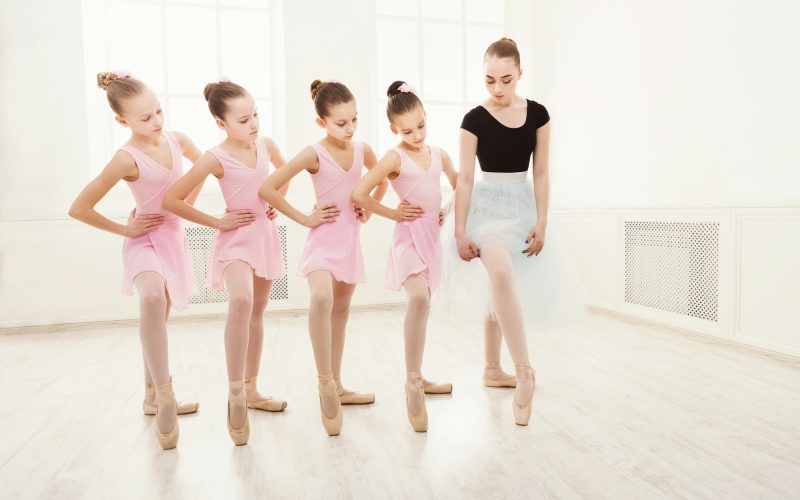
{"x": 449, "y": 170}
{"x": 193, "y": 153}
{"x": 371, "y": 161}
{"x": 121, "y": 166}
{"x": 468, "y": 147}
{"x": 270, "y": 190}
{"x": 277, "y": 159}
{"x": 389, "y": 165}
{"x": 466, "y": 178}
{"x": 541, "y": 173}
{"x": 541, "y": 190}
{"x": 175, "y": 200}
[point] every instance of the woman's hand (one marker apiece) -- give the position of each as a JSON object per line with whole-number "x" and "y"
{"x": 535, "y": 240}
{"x": 235, "y": 219}
{"x": 467, "y": 249}
{"x": 324, "y": 215}
{"x": 272, "y": 214}
{"x": 139, "y": 224}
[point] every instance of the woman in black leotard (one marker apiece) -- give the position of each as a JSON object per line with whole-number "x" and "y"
{"x": 501, "y": 221}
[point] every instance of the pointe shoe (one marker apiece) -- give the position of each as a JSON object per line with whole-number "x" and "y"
{"x": 327, "y": 387}
{"x": 494, "y": 376}
{"x": 268, "y": 403}
{"x": 149, "y": 406}
{"x": 522, "y": 414}
{"x": 419, "y": 420}
{"x": 165, "y": 401}
{"x": 348, "y": 397}
{"x": 239, "y": 435}
{"x": 436, "y": 388}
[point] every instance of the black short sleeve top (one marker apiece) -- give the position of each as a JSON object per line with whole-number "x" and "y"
{"x": 501, "y": 148}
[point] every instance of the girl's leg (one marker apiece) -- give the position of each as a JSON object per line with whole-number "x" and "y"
{"x": 261, "y": 289}
{"x": 506, "y": 304}
{"x": 238, "y": 278}
{"x": 342, "y": 296}
{"x": 340, "y": 313}
{"x": 149, "y": 395}
{"x": 414, "y": 332}
{"x": 320, "y": 284}
{"x": 153, "y": 335}
{"x": 319, "y": 328}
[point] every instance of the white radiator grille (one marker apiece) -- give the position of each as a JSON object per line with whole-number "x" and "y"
{"x": 673, "y": 266}
{"x": 201, "y": 240}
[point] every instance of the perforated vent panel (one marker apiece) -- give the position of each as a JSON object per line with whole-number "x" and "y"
{"x": 673, "y": 266}
{"x": 201, "y": 240}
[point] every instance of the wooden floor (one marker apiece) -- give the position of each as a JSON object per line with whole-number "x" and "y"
{"x": 622, "y": 410}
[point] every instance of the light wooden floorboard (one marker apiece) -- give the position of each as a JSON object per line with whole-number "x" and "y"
{"x": 622, "y": 410}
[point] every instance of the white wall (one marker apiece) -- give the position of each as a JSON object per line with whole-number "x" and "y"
{"x": 43, "y": 156}
{"x": 671, "y": 103}
{"x": 671, "y": 106}
{"x": 53, "y": 269}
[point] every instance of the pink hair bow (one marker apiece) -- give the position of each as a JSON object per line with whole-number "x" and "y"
{"x": 406, "y": 88}
{"x": 224, "y": 79}
{"x": 121, "y": 74}
{"x": 334, "y": 81}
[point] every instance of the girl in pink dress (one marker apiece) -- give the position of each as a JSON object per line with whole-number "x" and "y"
{"x": 155, "y": 254}
{"x": 246, "y": 256}
{"x": 415, "y": 256}
{"x": 331, "y": 258}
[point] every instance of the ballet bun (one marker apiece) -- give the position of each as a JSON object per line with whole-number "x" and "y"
{"x": 402, "y": 99}
{"x": 315, "y": 87}
{"x": 502, "y": 48}
{"x": 327, "y": 94}
{"x": 508, "y": 40}
{"x": 104, "y": 78}
{"x": 218, "y": 94}
{"x": 208, "y": 89}
{"x": 119, "y": 86}
{"x": 394, "y": 88}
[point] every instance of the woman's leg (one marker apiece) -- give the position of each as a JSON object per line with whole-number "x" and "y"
{"x": 493, "y": 374}
{"x": 493, "y": 340}
{"x": 497, "y": 262}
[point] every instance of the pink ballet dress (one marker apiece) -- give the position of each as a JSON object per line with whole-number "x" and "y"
{"x": 415, "y": 244}
{"x": 163, "y": 250}
{"x": 336, "y": 247}
{"x": 257, "y": 243}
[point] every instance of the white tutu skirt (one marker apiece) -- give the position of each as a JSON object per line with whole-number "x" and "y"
{"x": 502, "y": 211}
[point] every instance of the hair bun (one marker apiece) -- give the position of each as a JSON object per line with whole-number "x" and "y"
{"x": 315, "y": 86}
{"x": 508, "y": 40}
{"x": 105, "y": 78}
{"x": 394, "y": 88}
{"x": 208, "y": 89}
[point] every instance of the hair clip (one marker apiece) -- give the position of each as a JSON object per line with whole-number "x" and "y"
{"x": 406, "y": 88}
